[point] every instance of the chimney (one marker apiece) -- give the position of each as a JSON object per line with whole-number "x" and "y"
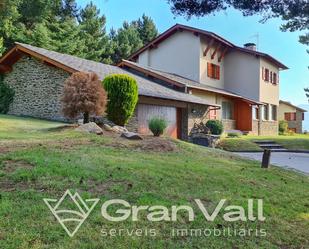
{"x": 250, "y": 45}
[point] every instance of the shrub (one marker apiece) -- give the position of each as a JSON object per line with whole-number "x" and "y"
{"x": 157, "y": 126}
{"x": 233, "y": 134}
{"x": 6, "y": 96}
{"x": 215, "y": 127}
{"x": 83, "y": 93}
{"x": 283, "y": 127}
{"x": 122, "y": 97}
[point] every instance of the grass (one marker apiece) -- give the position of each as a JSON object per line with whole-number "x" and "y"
{"x": 293, "y": 142}
{"x": 238, "y": 144}
{"x": 106, "y": 167}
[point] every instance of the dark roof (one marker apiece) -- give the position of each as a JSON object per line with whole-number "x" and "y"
{"x": 186, "y": 82}
{"x": 294, "y": 106}
{"x": 180, "y": 27}
{"x": 71, "y": 64}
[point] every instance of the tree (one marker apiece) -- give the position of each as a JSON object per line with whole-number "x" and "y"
{"x": 122, "y": 94}
{"x": 146, "y": 28}
{"x": 295, "y": 13}
{"x": 83, "y": 94}
{"x": 307, "y": 92}
{"x": 92, "y": 32}
{"x": 125, "y": 42}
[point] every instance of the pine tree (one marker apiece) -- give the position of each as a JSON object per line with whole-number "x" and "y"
{"x": 92, "y": 32}
{"x": 146, "y": 28}
{"x": 125, "y": 42}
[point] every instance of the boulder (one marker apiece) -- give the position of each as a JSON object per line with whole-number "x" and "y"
{"x": 131, "y": 136}
{"x": 90, "y": 128}
{"x": 119, "y": 129}
{"x": 107, "y": 127}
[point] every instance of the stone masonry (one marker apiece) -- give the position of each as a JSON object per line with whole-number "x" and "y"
{"x": 38, "y": 89}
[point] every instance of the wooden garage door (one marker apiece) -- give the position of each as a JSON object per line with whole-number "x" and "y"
{"x": 147, "y": 112}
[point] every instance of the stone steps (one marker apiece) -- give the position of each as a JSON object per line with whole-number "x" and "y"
{"x": 269, "y": 145}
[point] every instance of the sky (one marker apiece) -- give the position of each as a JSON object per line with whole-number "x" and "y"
{"x": 231, "y": 25}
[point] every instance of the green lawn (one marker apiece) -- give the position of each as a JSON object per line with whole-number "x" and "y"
{"x": 238, "y": 144}
{"x": 39, "y": 160}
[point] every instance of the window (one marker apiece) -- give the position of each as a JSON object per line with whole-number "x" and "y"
{"x": 273, "y": 112}
{"x": 290, "y": 116}
{"x": 303, "y": 116}
{"x": 266, "y": 76}
{"x": 255, "y": 113}
{"x": 275, "y": 79}
{"x": 227, "y": 110}
{"x": 213, "y": 71}
{"x": 265, "y": 112}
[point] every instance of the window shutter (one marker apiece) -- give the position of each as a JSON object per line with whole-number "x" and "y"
{"x": 208, "y": 69}
{"x": 218, "y": 72}
{"x": 303, "y": 116}
{"x": 263, "y": 73}
{"x": 287, "y": 116}
{"x": 271, "y": 77}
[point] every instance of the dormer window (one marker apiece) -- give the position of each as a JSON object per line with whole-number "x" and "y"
{"x": 213, "y": 71}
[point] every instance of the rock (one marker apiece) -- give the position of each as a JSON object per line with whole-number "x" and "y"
{"x": 107, "y": 127}
{"x": 119, "y": 129}
{"x": 90, "y": 128}
{"x": 80, "y": 121}
{"x": 131, "y": 136}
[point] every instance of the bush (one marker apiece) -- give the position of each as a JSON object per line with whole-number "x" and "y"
{"x": 157, "y": 126}
{"x": 83, "y": 93}
{"x": 283, "y": 127}
{"x": 233, "y": 134}
{"x": 215, "y": 127}
{"x": 122, "y": 95}
{"x": 6, "y": 96}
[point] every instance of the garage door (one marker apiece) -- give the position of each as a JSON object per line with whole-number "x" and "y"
{"x": 147, "y": 112}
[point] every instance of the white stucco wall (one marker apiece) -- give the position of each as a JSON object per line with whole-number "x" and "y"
{"x": 177, "y": 54}
{"x": 203, "y": 65}
{"x": 269, "y": 93}
{"x": 242, "y": 74}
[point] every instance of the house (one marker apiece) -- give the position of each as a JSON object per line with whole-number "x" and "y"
{"x": 242, "y": 80}
{"x": 293, "y": 114}
{"x": 37, "y": 76}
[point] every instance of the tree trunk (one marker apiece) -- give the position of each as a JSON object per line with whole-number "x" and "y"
{"x": 86, "y": 117}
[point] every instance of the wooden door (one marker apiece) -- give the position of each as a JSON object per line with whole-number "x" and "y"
{"x": 146, "y": 112}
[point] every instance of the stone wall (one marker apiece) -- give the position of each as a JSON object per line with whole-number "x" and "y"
{"x": 38, "y": 89}
{"x": 264, "y": 128}
{"x": 229, "y": 124}
{"x": 196, "y": 114}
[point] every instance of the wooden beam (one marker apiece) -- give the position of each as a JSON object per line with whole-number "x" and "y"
{"x": 150, "y": 73}
{"x": 216, "y": 49}
{"x": 5, "y": 69}
{"x": 222, "y": 54}
{"x": 208, "y": 46}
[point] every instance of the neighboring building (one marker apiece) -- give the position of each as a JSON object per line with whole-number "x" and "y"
{"x": 37, "y": 76}
{"x": 243, "y": 81}
{"x": 293, "y": 114}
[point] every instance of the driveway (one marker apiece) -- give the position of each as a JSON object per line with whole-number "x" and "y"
{"x": 298, "y": 161}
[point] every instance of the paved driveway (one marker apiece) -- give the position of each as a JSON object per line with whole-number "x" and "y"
{"x": 298, "y": 161}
